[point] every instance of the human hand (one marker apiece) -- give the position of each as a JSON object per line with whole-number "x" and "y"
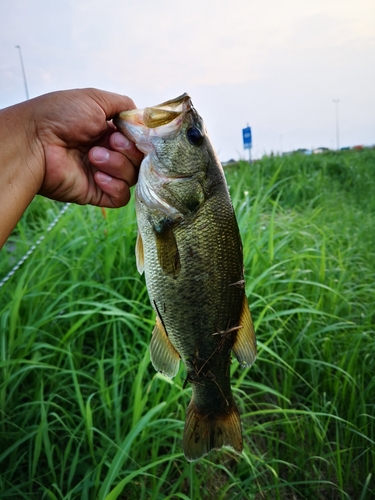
{"x": 86, "y": 161}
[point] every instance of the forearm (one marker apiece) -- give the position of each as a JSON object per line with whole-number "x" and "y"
{"x": 21, "y": 164}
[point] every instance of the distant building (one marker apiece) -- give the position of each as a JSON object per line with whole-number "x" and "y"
{"x": 320, "y": 150}
{"x": 229, "y": 162}
{"x": 303, "y": 151}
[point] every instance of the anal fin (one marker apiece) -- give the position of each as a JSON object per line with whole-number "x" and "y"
{"x": 244, "y": 346}
{"x": 164, "y": 357}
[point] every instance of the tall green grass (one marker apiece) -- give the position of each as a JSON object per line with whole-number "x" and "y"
{"x": 83, "y": 415}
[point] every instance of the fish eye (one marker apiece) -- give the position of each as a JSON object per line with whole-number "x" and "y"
{"x": 194, "y": 136}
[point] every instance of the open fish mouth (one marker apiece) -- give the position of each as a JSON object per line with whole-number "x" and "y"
{"x": 140, "y": 124}
{"x": 159, "y": 115}
{"x": 162, "y": 114}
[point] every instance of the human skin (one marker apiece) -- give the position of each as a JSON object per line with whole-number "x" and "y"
{"x": 63, "y": 146}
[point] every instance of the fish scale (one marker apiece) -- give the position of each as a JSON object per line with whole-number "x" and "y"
{"x": 201, "y": 283}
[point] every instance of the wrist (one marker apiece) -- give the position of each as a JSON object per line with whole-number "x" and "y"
{"x": 22, "y": 164}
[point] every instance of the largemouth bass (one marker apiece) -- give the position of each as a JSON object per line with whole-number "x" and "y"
{"x": 190, "y": 250}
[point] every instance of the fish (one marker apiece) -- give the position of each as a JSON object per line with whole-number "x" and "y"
{"x": 189, "y": 248}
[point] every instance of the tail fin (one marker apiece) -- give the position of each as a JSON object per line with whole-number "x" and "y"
{"x": 203, "y": 433}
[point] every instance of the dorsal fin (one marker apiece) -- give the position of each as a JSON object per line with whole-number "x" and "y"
{"x": 244, "y": 346}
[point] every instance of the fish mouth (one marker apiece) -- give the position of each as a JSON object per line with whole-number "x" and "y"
{"x": 156, "y": 116}
{"x": 140, "y": 124}
{"x": 162, "y": 114}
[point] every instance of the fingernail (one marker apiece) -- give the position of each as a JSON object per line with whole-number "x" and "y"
{"x": 120, "y": 141}
{"x": 102, "y": 177}
{"x": 100, "y": 154}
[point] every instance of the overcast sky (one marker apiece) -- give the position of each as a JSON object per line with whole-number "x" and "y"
{"x": 276, "y": 65}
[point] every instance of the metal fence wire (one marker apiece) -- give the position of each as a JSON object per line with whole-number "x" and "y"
{"x": 34, "y": 246}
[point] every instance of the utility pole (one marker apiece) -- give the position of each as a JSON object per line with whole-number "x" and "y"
{"x": 336, "y": 101}
{"x": 23, "y": 72}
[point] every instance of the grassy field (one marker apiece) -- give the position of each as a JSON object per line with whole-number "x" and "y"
{"x": 83, "y": 415}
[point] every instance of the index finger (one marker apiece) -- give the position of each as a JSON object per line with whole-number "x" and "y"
{"x": 110, "y": 102}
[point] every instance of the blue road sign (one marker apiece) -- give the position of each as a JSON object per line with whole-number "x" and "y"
{"x": 246, "y": 134}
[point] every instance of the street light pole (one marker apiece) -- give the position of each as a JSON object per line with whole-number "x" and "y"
{"x": 336, "y": 101}
{"x": 23, "y": 72}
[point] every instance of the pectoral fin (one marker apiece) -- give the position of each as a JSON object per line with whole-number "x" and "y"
{"x": 164, "y": 357}
{"x": 167, "y": 250}
{"x": 244, "y": 347}
{"x": 139, "y": 254}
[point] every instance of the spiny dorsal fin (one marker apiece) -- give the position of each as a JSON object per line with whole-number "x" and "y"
{"x": 244, "y": 346}
{"x": 164, "y": 357}
{"x": 139, "y": 254}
